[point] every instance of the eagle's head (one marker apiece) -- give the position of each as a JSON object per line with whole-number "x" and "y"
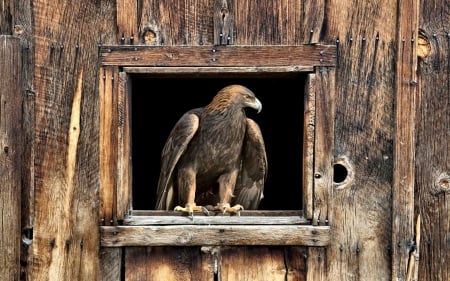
{"x": 235, "y": 96}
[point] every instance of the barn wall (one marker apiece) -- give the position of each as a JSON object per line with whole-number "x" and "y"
{"x": 432, "y": 163}
{"x": 60, "y": 173}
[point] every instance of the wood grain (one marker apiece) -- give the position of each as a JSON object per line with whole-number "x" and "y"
{"x": 168, "y": 263}
{"x": 302, "y": 56}
{"x": 11, "y": 137}
{"x": 366, "y": 37}
{"x": 65, "y": 234}
{"x": 432, "y": 145}
{"x": 214, "y": 235}
{"x": 309, "y": 123}
{"x": 275, "y": 263}
{"x": 404, "y": 150}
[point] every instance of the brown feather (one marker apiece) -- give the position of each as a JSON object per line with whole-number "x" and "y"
{"x": 214, "y": 154}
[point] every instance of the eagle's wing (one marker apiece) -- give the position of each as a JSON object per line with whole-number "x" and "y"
{"x": 176, "y": 144}
{"x": 250, "y": 183}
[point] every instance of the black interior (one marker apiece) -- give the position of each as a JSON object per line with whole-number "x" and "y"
{"x": 158, "y": 102}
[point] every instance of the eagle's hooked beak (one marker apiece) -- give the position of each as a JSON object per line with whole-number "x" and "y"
{"x": 257, "y": 105}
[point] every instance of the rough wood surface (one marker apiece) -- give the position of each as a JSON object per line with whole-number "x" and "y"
{"x": 124, "y": 155}
{"x": 404, "y": 154}
{"x": 268, "y": 22}
{"x": 432, "y": 146}
{"x": 10, "y": 156}
{"x": 304, "y": 55}
{"x": 111, "y": 264}
{"x": 168, "y": 264}
{"x": 223, "y": 22}
{"x": 324, "y": 91}
{"x": 365, "y": 32}
{"x": 208, "y": 220}
{"x": 214, "y": 235}
{"x": 309, "y": 122}
{"x": 176, "y": 22}
{"x": 127, "y": 22}
{"x": 263, "y": 263}
{"x": 66, "y": 235}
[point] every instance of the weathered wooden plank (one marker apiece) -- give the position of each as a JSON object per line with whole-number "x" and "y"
{"x": 176, "y": 22}
{"x": 302, "y": 56}
{"x": 124, "y": 163}
{"x": 267, "y": 22}
{"x": 65, "y": 234}
{"x": 432, "y": 145}
{"x": 316, "y": 264}
{"x": 214, "y": 235}
{"x": 404, "y": 150}
{"x": 168, "y": 264}
{"x": 365, "y": 32}
{"x": 257, "y": 70}
{"x": 211, "y": 220}
{"x": 308, "y": 145}
{"x": 6, "y": 17}
{"x": 11, "y": 137}
{"x": 127, "y": 23}
{"x": 313, "y": 14}
{"x": 223, "y": 22}
{"x": 111, "y": 264}
{"x": 108, "y": 91}
{"x": 323, "y": 145}
{"x": 263, "y": 263}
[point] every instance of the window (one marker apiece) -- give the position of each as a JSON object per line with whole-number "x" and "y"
{"x": 282, "y": 77}
{"x": 158, "y": 102}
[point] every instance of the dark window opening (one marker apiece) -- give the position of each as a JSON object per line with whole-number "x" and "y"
{"x": 159, "y": 101}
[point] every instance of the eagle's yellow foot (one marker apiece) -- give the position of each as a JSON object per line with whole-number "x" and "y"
{"x": 190, "y": 208}
{"x": 226, "y": 208}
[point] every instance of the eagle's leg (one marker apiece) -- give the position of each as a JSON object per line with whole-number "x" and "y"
{"x": 187, "y": 185}
{"x": 226, "y": 189}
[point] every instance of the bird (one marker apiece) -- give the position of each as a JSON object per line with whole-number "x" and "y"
{"x": 214, "y": 157}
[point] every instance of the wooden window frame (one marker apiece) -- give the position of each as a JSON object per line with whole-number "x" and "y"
{"x": 121, "y": 226}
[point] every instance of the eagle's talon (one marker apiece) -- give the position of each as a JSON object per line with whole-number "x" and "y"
{"x": 190, "y": 209}
{"x": 225, "y": 208}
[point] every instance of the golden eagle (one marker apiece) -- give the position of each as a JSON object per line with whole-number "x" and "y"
{"x": 214, "y": 156}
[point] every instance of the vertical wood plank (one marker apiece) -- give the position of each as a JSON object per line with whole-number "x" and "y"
{"x": 10, "y": 156}
{"x": 405, "y": 108}
{"x": 127, "y": 23}
{"x": 432, "y": 145}
{"x": 6, "y": 17}
{"x": 263, "y": 263}
{"x": 176, "y": 22}
{"x": 108, "y": 86}
{"x": 308, "y": 145}
{"x": 323, "y": 145}
{"x": 313, "y": 13}
{"x": 268, "y": 22}
{"x": 365, "y": 34}
{"x": 223, "y": 22}
{"x": 167, "y": 263}
{"x": 65, "y": 234}
{"x": 316, "y": 264}
{"x": 110, "y": 264}
{"x": 124, "y": 164}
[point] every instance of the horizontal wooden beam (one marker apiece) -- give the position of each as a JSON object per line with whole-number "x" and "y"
{"x": 214, "y": 235}
{"x": 219, "y": 70}
{"x": 301, "y": 55}
{"x": 215, "y": 220}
